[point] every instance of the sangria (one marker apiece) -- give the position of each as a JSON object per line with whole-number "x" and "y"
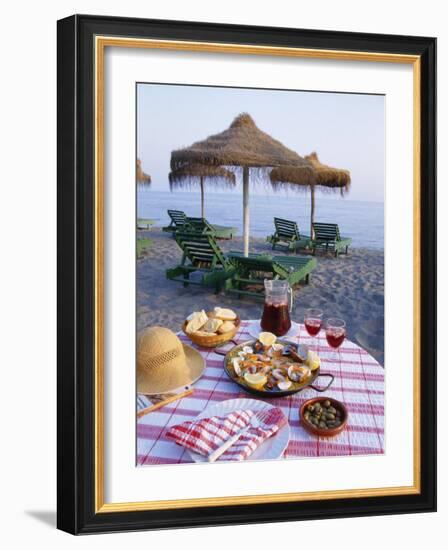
{"x": 335, "y": 332}
{"x": 313, "y": 321}
{"x": 277, "y": 306}
{"x": 276, "y": 319}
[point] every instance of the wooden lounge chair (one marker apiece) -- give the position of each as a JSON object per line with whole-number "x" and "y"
{"x": 203, "y": 257}
{"x": 287, "y": 235}
{"x": 201, "y": 225}
{"x": 144, "y": 224}
{"x": 250, "y": 272}
{"x": 178, "y": 220}
{"x": 328, "y": 238}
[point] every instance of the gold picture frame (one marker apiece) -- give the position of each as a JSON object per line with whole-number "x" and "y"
{"x": 96, "y": 35}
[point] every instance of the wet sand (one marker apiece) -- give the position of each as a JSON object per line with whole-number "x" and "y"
{"x": 351, "y": 287}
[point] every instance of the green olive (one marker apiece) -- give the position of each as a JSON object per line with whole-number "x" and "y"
{"x": 332, "y": 410}
{"x": 311, "y": 408}
{"x": 331, "y": 416}
{"x": 322, "y": 425}
{"x": 327, "y": 404}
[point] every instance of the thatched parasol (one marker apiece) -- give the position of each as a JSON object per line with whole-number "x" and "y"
{"x": 140, "y": 175}
{"x": 194, "y": 174}
{"x": 333, "y": 179}
{"x": 244, "y": 145}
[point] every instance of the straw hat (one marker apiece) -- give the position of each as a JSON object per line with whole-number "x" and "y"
{"x": 164, "y": 364}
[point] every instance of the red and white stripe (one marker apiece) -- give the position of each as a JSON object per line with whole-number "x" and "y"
{"x": 208, "y": 434}
{"x": 359, "y": 383}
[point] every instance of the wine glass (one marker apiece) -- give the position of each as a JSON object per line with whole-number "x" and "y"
{"x": 313, "y": 322}
{"x": 335, "y": 332}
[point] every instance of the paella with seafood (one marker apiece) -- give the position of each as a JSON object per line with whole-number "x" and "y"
{"x": 271, "y": 366}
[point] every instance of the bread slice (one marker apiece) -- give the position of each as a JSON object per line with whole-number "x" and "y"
{"x": 212, "y": 325}
{"x": 196, "y": 321}
{"x": 227, "y": 326}
{"x": 225, "y": 314}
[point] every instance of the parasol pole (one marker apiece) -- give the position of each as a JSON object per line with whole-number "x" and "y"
{"x": 313, "y": 203}
{"x": 246, "y": 210}
{"x": 202, "y": 198}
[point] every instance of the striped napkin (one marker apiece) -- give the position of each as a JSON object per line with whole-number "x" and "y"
{"x": 206, "y": 435}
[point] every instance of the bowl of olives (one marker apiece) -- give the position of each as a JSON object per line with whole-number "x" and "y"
{"x": 323, "y": 416}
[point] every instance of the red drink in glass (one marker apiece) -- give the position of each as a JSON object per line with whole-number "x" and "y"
{"x": 276, "y": 318}
{"x": 335, "y": 336}
{"x": 313, "y": 320}
{"x": 313, "y": 326}
{"x": 335, "y": 331}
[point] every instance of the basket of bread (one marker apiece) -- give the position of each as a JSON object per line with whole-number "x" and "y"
{"x": 213, "y": 328}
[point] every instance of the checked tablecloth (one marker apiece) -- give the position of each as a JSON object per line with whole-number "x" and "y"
{"x": 358, "y": 383}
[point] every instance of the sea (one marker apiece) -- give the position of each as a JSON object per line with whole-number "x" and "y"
{"x": 361, "y": 220}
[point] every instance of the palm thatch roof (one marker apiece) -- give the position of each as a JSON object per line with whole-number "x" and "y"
{"x": 242, "y": 144}
{"x": 328, "y": 176}
{"x": 325, "y": 176}
{"x": 140, "y": 175}
{"x": 195, "y": 174}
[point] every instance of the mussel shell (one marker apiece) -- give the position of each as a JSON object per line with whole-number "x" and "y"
{"x": 298, "y": 353}
{"x": 288, "y": 349}
{"x": 296, "y": 357}
{"x": 298, "y": 374}
{"x": 279, "y": 374}
{"x": 302, "y": 352}
{"x": 258, "y": 346}
{"x": 236, "y": 366}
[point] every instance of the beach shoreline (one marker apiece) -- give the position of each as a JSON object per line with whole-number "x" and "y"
{"x": 351, "y": 287}
{"x": 362, "y": 221}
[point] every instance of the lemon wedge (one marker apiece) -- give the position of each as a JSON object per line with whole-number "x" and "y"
{"x": 257, "y": 380}
{"x": 267, "y": 338}
{"x": 313, "y": 360}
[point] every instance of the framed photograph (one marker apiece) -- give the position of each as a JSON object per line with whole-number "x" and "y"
{"x": 246, "y": 274}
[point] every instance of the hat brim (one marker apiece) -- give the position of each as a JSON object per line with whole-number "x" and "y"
{"x": 196, "y": 367}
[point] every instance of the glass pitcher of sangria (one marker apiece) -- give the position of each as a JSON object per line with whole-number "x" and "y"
{"x": 277, "y": 307}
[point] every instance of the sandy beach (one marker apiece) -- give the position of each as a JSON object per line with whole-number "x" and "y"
{"x": 351, "y": 287}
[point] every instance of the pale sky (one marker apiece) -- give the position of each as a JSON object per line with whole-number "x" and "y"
{"x": 346, "y": 130}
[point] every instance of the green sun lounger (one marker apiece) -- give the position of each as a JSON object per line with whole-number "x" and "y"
{"x": 203, "y": 263}
{"x": 287, "y": 235}
{"x": 144, "y": 224}
{"x": 178, "y": 220}
{"x": 328, "y": 238}
{"x": 201, "y": 225}
{"x": 250, "y": 272}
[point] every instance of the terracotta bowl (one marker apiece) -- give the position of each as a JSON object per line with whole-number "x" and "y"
{"x": 311, "y": 428}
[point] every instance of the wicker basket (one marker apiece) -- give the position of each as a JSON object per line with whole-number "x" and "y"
{"x": 214, "y": 340}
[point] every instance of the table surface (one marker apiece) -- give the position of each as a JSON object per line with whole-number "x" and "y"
{"x": 358, "y": 383}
